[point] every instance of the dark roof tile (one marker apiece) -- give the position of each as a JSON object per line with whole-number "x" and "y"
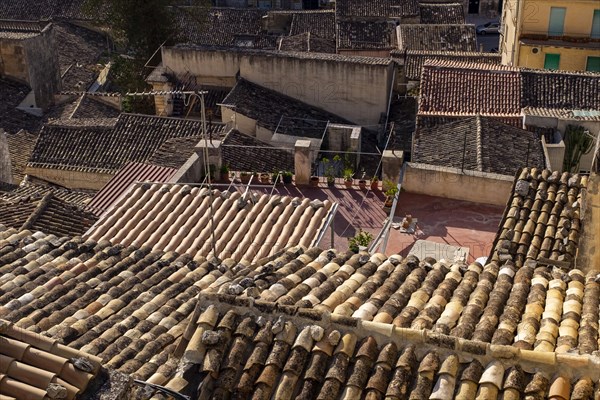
{"x": 442, "y": 13}
{"x": 443, "y": 37}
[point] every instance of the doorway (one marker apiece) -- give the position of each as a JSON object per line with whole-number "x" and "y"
{"x": 473, "y": 6}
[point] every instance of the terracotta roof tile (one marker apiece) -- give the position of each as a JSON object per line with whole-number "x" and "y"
{"x": 488, "y": 146}
{"x": 306, "y": 42}
{"x": 28, "y": 190}
{"x": 20, "y": 147}
{"x": 35, "y": 366}
{"x": 246, "y": 153}
{"x": 173, "y": 153}
{"x": 320, "y": 23}
{"x": 122, "y": 181}
{"x": 364, "y": 34}
{"x": 107, "y": 147}
{"x": 174, "y": 218}
{"x": 443, "y": 37}
{"x": 377, "y": 8}
{"x": 36, "y": 10}
{"x": 12, "y": 93}
{"x": 416, "y": 58}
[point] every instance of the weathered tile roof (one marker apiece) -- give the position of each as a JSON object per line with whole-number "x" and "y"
{"x": 20, "y": 30}
{"x": 38, "y": 367}
{"x": 478, "y": 144}
{"x": 246, "y": 153}
{"x": 224, "y": 27}
{"x": 444, "y": 37}
{"x": 268, "y": 107}
{"x": 177, "y": 218}
{"x": 20, "y": 147}
{"x": 108, "y": 145}
{"x": 306, "y": 42}
{"x": 173, "y": 153}
{"x": 561, "y": 89}
{"x": 364, "y": 34}
{"x": 316, "y": 22}
{"x": 564, "y": 113}
{"x": 376, "y": 8}
{"x": 79, "y": 51}
{"x": 35, "y": 10}
{"x": 452, "y": 87}
{"x": 90, "y": 106}
{"x": 124, "y": 179}
{"x": 28, "y": 190}
{"x": 12, "y": 93}
{"x": 48, "y": 214}
{"x": 543, "y": 218}
{"x": 442, "y": 13}
{"x": 416, "y": 58}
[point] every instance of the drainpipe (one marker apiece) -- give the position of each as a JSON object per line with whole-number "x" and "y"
{"x": 517, "y": 47}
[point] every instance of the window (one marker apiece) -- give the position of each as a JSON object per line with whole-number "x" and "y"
{"x": 593, "y": 64}
{"x": 557, "y": 21}
{"x": 596, "y": 25}
{"x": 551, "y": 61}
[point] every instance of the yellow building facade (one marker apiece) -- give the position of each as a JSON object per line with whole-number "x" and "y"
{"x": 551, "y": 34}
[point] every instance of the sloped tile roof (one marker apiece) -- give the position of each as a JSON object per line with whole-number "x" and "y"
{"x": 444, "y": 37}
{"x": 173, "y": 153}
{"x": 316, "y": 22}
{"x": 376, "y": 8}
{"x": 245, "y": 350}
{"x": 89, "y": 106}
{"x": 35, "y": 10}
{"x": 543, "y": 218}
{"x": 79, "y": 51}
{"x": 416, "y": 58}
{"x": 20, "y": 30}
{"x": 124, "y": 179}
{"x": 478, "y": 144}
{"x": 452, "y": 87}
{"x": 48, "y": 214}
{"x": 28, "y": 190}
{"x": 177, "y": 218}
{"x": 564, "y": 113}
{"x": 223, "y": 27}
{"x": 20, "y": 147}
{"x": 556, "y": 89}
{"x": 36, "y": 367}
{"x": 12, "y": 93}
{"x": 108, "y": 145}
{"x": 362, "y": 35}
{"x": 306, "y": 42}
{"x": 442, "y": 13}
{"x": 268, "y": 107}
{"x": 246, "y": 153}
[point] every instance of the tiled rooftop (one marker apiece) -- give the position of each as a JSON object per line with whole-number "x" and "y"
{"x": 442, "y": 13}
{"x": 173, "y": 153}
{"x": 120, "y": 183}
{"x": 376, "y": 8}
{"x": 177, "y": 218}
{"x": 564, "y": 113}
{"x": 306, "y": 42}
{"x": 246, "y": 153}
{"x": 20, "y": 146}
{"x": 240, "y": 350}
{"x": 38, "y": 367}
{"x": 444, "y": 37}
{"x": 49, "y": 214}
{"x": 12, "y": 93}
{"x": 488, "y": 146}
{"x": 416, "y": 58}
{"x": 316, "y": 22}
{"x": 364, "y": 34}
{"x": 20, "y": 30}
{"x": 35, "y": 10}
{"x": 268, "y": 107}
{"x": 108, "y": 145}
{"x": 28, "y": 190}
{"x": 452, "y": 87}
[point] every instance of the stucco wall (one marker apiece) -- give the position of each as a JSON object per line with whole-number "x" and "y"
{"x": 356, "y": 91}
{"x": 578, "y": 18}
{"x": 588, "y": 252}
{"x": 451, "y": 183}
{"x": 13, "y": 60}
{"x": 238, "y": 121}
{"x": 571, "y": 58}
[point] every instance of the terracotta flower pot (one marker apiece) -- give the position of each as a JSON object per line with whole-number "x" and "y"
{"x": 348, "y": 183}
{"x": 362, "y": 184}
{"x": 314, "y": 181}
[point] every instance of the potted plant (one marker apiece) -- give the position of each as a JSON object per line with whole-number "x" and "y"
{"x": 287, "y": 177}
{"x": 374, "y": 183}
{"x": 225, "y": 172}
{"x": 390, "y": 193}
{"x": 314, "y": 181}
{"x": 329, "y": 171}
{"x": 348, "y": 177}
{"x": 362, "y": 183}
{"x": 360, "y": 241}
{"x": 244, "y": 177}
{"x": 265, "y": 178}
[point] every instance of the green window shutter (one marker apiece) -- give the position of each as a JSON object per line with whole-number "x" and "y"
{"x": 557, "y": 21}
{"x": 593, "y": 64}
{"x": 552, "y": 61}
{"x": 596, "y": 25}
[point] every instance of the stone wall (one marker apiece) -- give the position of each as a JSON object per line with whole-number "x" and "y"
{"x": 356, "y": 90}
{"x": 478, "y": 187}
